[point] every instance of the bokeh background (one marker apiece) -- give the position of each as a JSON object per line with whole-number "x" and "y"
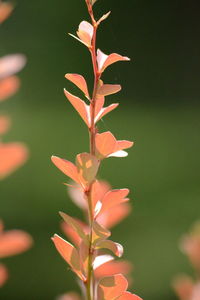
{"x": 159, "y": 110}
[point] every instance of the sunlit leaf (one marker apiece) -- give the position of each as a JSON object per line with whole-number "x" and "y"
{"x": 80, "y": 82}
{"x": 99, "y": 233}
{"x": 11, "y": 64}
{"x": 81, "y": 107}
{"x": 3, "y": 275}
{"x": 104, "y": 111}
{"x": 67, "y": 167}
{"x": 5, "y": 10}
{"x": 104, "y": 60}
{"x": 4, "y": 124}
{"x": 8, "y": 87}
{"x": 113, "y": 198}
{"x": 87, "y": 166}
{"x": 104, "y": 17}
{"x": 69, "y": 296}
{"x": 113, "y": 267}
{"x": 110, "y": 288}
{"x": 69, "y": 254}
{"x": 109, "y": 89}
{"x": 101, "y": 260}
{"x": 129, "y": 296}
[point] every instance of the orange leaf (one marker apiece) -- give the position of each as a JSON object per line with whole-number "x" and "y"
{"x": 3, "y": 271}
{"x": 109, "y": 89}
{"x": 13, "y": 242}
{"x": 70, "y": 254}
{"x": 104, "y": 60}
{"x": 85, "y": 32}
{"x": 113, "y": 198}
{"x": 99, "y": 233}
{"x": 69, "y": 296}
{"x": 104, "y": 111}
{"x": 110, "y": 288}
{"x": 81, "y": 107}
{"x": 67, "y": 167}
{"x": 4, "y": 124}
{"x": 5, "y": 11}
{"x": 114, "y": 216}
{"x": 12, "y": 156}
{"x": 8, "y": 87}
{"x": 87, "y": 166}
{"x": 98, "y": 190}
{"x": 112, "y": 268}
{"x": 80, "y": 82}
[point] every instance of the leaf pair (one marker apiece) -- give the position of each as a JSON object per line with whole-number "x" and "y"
{"x": 83, "y": 172}
{"x": 114, "y": 288}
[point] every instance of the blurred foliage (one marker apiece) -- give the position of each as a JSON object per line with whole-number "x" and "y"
{"x": 159, "y": 110}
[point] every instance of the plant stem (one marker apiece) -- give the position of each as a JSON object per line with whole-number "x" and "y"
{"x": 92, "y": 133}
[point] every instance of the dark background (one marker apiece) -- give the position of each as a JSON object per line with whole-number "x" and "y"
{"x": 159, "y": 110}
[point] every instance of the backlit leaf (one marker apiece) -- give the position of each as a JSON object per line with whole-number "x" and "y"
{"x": 69, "y": 254}
{"x": 104, "y": 60}
{"x": 129, "y": 296}
{"x": 113, "y": 198}
{"x": 81, "y": 107}
{"x": 109, "y": 89}
{"x": 87, "y": 166}
{"x": 11, "y": 64}
{"x": 115, "y": 248}
{"x": 113, "y": 267}
{"x": 80, "y": 82}
{"x": 110, "y": 288}
{"x": 8, "y": 87}
{"x": 99, "y": 233}
{"x": 67, "y": 167}
{"x": 3, "y": 275}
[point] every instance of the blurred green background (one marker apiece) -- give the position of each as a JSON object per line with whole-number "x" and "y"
{"x": 159, "y": 110}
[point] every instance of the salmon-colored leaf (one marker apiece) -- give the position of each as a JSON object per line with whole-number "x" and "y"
{"x": 12, "y": 156}
{"x": 81, "y": 107}
{"x": 104, "y": 60}
{"x": 101, "y": 260}
{"x": 111, "y": 218}
{"x": 13, "y": 242}
{"x": 113, "y": 198}
{"x": 8, "y": 87}
{"x": 69, "y": 254}
{"x": 3, "y": 270}
{"x": 105, "y": 144}
{"x": 69, "y": 296}
{"x": 112, "y": 268}
{"x": 109, "y": 89}
{"x": 98, "y": 190}
{"x": 67, "y": 167}
{"x": 104, "y": 111}
{"x": 5, "y": 10}
{"x": 75, "y": 225}
{"x": 80, "y": 82}
{"x": 110, "y": 288}
{"x": 115, "y": 248}
{"x": 4, "y": 124}
{"x": 11, "y": 64}
{"x": 87, "y": 166}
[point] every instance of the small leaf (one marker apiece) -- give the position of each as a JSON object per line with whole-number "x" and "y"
{"x": 101, "y": 260}
{"x": 75, "y": 225}
{"x": 80, "y": 82}
{"x": 84, "y": 255}
{"x": 115, "y": 248}
{"x": 5, "y": 10}
{"x": 12, "y": 156}
{"x": 105, "y": 144}
{"x": 14, "y": 242}
{"x": 3, "y": 275}
{"x": 69, "y": 254}
{"x": 104, "y": 17}
{"x": 69, "y": 296}
{"x": 11, "y": 64}
{"x": 109, "y": 89}
{"x": 67, "y": 167}
{"x": 99, "y": 233}
{"x": 81, "y": 107}
{"x": 87, "y": 166}
{"x": 8, "y": 87}
{"x": 110, "y": 288}
{"x": 104, "y": 60}
{"x": 4, "y": 124}
{"x": 85, "y": 32}
{"x": 104, "y": 111}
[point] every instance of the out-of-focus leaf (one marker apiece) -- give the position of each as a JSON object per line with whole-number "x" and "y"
{"x": 3, "y": 275}
{"x": 12, "y": 156}
{"x": 11, "y": 64}
{"x": 8, "y": 87}
{"x": 113, "y": 267}
{"x": 13, "y": 242}
{"x": 70, "y": 255}
{"x": 113, "y": 198}
{"x": 4, "y": 124}
{"x": 5, "y": 10}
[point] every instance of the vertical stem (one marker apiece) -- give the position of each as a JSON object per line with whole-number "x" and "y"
{"x": 92, "y": 133}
